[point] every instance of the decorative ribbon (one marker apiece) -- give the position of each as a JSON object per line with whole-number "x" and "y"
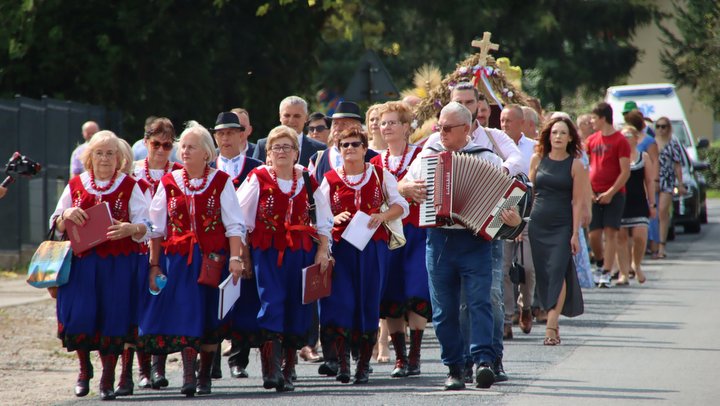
{"x": 179, "y": 239}
{"x": 288, "y": 237}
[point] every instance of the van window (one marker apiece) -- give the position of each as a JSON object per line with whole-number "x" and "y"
{"x": 680, "y": 132}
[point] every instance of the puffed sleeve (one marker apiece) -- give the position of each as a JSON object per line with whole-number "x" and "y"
{"x": 158, "y": 213}
{"x": 139, "y": 211}
{"x": 64, "y": 203}
{"x": 230, "y": 210}
{"x": 391, "y": 192}
{"x": 247, "y": 195}
{"x": 322, "y": 210}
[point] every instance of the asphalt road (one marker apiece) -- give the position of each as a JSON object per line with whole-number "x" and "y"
{"x": 649, "y": 344}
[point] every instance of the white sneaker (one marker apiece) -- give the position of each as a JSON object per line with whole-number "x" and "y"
{"x": 604, "y": 281}
{"x": 597, "y": 274}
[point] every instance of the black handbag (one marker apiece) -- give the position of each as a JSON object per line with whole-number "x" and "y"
{"x": 517, "y": 270}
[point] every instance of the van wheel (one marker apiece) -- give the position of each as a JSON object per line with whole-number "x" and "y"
{"x": 703, "y": 214}
{"x": 692, "y": 228}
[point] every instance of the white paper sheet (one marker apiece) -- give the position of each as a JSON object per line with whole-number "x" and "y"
{"x": 357, "y": 232}
{"x": 229, "y": 294}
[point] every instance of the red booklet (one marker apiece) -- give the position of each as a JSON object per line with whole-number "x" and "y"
{"x": 316, "y": 284}
{"x": 93, "y": 232}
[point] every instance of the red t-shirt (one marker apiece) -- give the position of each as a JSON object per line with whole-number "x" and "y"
{"x": 605, "y": 152}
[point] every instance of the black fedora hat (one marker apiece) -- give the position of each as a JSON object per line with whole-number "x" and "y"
{"x": 347, "y": 109}
{"x": 228, "y": 119}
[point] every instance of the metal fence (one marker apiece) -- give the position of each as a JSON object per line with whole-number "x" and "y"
{"x": 47, "y": 131}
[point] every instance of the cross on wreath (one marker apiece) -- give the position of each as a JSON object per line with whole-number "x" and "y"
{"x": 485, "y": 47}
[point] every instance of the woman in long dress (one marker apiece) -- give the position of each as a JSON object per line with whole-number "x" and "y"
{"x": 559, "y": 181}
{"x": 94, "y": 309}
{"x": 195, "y": 212}
{"x": 407, "y": 296}
{"x": 279, "y": 230}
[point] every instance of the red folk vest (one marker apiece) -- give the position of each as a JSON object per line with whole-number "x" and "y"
{"x": 342, "y": 198}
{"x": 119, "y": 201}
{"x": 278, "y": 223}
{"x": 413, "y": 216}
{"x": 210, "y": 231}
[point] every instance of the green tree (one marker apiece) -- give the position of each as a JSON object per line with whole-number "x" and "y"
{"x": 692, "y": 58}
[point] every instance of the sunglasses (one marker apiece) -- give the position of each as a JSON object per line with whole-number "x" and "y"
{"x": 167, "y": 146}
{"x": 317, "y": 129}
{"x": 447, "y": 128}
{"x": 354, "y": 144}
{"x": 662, "y": 126}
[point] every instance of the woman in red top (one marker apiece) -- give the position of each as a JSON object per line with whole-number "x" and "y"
{"x": 195, "y": 209}
{"x": 407, "y": 296}
{"x": 352, "y": 310}
{"x": 94, "y": 308}
{"x": 279, "y": 230}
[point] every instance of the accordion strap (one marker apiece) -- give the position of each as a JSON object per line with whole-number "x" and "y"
{"x": 380, "y": 185}
{"x": 495, "y": 146}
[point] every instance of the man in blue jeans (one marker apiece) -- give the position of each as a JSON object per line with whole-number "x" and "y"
{"x": 458, "y": 261}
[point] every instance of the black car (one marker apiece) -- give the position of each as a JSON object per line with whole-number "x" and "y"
{"x": 690, "y": 209}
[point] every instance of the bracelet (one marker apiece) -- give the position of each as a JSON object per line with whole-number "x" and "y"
{"x": 154, "y": 266}
{"x": 236, "y": 258}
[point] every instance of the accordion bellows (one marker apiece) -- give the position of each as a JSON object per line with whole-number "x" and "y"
{"x": 467, "y": 190}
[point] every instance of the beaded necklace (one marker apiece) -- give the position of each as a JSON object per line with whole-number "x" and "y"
{"x": 398, "y": 170}
{"x": 274, "y": 177}
{"x": 343, "y": 175}
{"x": 147, "y": 172}
{"x": 104, "y": 188}
{"x": 191, "y": 188}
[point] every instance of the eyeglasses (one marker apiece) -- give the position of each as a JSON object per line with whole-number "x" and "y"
{"x": 167, "y": 146}
{"x": 317, "y": 129}
{"x": 662, "y": 126}
{"x": 389, "y": 123}
{"x": 101, "y": 154}
{"x": 354, "y": 144}
{"x": 447, "y": 128}
{"x": 282, "y": 148}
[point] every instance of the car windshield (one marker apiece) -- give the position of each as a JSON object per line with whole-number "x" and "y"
{"x": 680, "y": 132}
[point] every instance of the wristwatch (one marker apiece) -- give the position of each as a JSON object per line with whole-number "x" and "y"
{"x": 236, "y": 258}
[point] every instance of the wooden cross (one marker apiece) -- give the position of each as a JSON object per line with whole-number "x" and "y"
{"x": 485, "y": 47}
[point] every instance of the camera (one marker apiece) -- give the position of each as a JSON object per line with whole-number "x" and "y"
{"x": 19, "y": 165}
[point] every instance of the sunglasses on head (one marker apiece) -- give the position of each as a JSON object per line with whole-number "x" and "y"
{"x": 662, "y": 126}
{"x": 167, "y": 146}
{"x": 354, "y": 144}
{"x": 318, "y": 129}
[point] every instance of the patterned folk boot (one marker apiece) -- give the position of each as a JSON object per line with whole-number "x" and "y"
{"x": 125, "y": 384}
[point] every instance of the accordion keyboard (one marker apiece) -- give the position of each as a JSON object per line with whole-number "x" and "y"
{"x": 428, "y": 165}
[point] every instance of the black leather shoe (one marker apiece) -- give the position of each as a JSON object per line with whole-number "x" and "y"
{"x": 159, "y": 381}
{"x": 107, "y": 394}
{"x": 125, "y": 390}
{"x": 238, "y": 372}
{"x": 468, "y": 375}
{"x": 484, "y": 376}
{"x": 204, "y": 388}
{"x": 499, "y": 371}
{"x": 455, "y": 379}
{"x": 328, "y": 368}
{"x": 216, "y": 373}
{"x": 145, "y": 383}
{"x": 188, "y": 389}
{"x": 82, "y": 388}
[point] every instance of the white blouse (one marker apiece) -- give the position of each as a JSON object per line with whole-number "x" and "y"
{"x": 249, "y": 192}
{"x": 390, "y": 187}
{"x": 138, "y": 201}
{"x": 229, "y": 206}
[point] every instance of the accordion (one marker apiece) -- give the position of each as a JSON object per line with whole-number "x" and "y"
{"x": 470, "y": 191}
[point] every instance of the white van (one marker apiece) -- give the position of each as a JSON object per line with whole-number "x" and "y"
{"x": 654, "y": 101}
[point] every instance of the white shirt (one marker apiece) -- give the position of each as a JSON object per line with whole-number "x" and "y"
{"x": 400, "y": 162}
{"x": 138, "y": 201}
{"x": 508, "y": 148}
{"x": 249, "y": 192}
{"x": 229, "y": 206}
{"x": 527, "y": 149}
{"x": 231, "y": 166}
{"x": 334, "y": 157}
{"x": 390, "y": 188}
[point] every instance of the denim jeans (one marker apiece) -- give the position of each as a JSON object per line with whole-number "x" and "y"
{"x": 459, "y": 262}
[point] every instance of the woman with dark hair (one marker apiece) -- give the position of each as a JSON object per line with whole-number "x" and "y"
{"x": 560, "y": 187}
{"x": 407, "y": 296}
{"x": 95, "y": 309}
{"x": 671, "y": 176}
{"x": 352, "y": 311}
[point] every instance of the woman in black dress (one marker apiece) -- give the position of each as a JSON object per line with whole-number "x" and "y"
{"x": 560, "y": 181}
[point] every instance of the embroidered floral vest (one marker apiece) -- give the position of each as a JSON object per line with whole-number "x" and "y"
{"x": 210, "y": 232}
{"x": 119, "y": 201}
{"x": 273, "y": 227}
{"x": 413, "y": 216}
{"x": 342, "y": 198}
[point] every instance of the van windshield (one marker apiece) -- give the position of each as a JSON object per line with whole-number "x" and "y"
{"x": 680, "y": 132}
